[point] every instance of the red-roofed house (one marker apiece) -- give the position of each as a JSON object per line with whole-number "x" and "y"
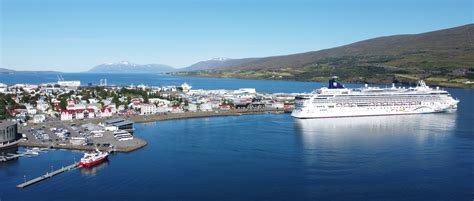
{"x": 105, "y": 112}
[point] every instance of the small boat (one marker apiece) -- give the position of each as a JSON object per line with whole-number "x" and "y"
{"x": 93, "y": 158}
{"x": 32, "y": 152}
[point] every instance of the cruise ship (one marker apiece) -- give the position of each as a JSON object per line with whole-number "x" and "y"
{"x": 338, "y": 101}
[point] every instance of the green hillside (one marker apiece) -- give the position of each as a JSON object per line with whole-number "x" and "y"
{"x": 444, "y": 57}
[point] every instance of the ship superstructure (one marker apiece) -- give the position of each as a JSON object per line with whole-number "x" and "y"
{"x": 338, "y": 101}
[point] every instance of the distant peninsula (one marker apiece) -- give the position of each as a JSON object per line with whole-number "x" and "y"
{"x": 10, "y": 71}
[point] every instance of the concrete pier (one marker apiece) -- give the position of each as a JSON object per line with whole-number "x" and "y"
{"x": 47, "y": 175}
{"x": 10, "y": 157}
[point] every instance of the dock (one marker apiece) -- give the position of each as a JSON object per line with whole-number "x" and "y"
{"x": 11, "y": 156}
{"x": 48, "y": 175}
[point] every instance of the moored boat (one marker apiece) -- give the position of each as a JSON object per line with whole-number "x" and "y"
{"x": 94, "y": 158}
{"x": 338, "y": 101}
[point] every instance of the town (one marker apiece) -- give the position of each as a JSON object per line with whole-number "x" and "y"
{"x": 68, "y": 100}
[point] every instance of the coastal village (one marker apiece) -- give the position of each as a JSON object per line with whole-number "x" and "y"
{"x": 67, "y": 115}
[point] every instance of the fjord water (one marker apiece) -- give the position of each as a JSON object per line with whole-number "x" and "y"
{"x": 162, "y": 80}
{"x": 272, "y": 157}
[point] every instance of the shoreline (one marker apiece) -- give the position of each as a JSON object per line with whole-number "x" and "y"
{"x": 190, "y": 115}
{"x": 444, "y": 84}
{"x": 140, "y": 144}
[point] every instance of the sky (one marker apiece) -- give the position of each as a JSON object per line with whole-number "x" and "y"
{"x": 75, "y": 35}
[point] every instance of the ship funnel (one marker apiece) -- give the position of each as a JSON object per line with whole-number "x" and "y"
{"x": 333, "y": 84}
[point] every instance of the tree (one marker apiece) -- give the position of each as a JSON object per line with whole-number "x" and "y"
{"x": 63, "y": 103}
{"x": 4, "y": 109}
{"x": 103, "y": 94}
{"x": 145, "y": 98}
{"x": 25, "y": 98}
{"x": 116, "y": 100}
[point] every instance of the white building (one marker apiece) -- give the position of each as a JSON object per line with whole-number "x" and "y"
{"x": 30, "y": 109}
{"x": 93, "y": 100}
{"x": 80, "y": 115}
{"x": 3, "y": 88}
{"x": 42, "y": 106}
{"x": 147, "y": 109}
{"x": 163, "y": 109}
{"x": 276, "y": 105}
{"x": 192, "y": 107}
{"x": 177, "y": 109}
{"x": 245, "y": 90}
{"x": 186, "y": 87}
{"x": 66, "y": 115}
{"x": 205, "y": 107}
{"x": 159, "y": 101}
{"x": 39, "y": 118}
{"x": 69, "y": 84}
{"x": 105, "y": 112}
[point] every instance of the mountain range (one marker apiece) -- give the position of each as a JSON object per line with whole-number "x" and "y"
{"x": 128, "y": 67}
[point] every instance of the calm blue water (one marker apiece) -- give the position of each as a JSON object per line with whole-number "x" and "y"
{"x": 273, "y": 157}
{"x": 165, "y": 80}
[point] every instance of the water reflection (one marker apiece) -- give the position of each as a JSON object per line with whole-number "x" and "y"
{"x": 338, "y": 148}
{"x": 338, "y": 130}
{"x": 92, "y": 171}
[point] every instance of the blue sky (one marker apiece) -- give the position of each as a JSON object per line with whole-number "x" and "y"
{"x": 73, "y": 35}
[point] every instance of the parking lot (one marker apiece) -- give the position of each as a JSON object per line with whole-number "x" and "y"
{"x": 69, "y": 135}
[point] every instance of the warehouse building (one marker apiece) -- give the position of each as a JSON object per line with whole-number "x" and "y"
{"x": 8, "y": 134}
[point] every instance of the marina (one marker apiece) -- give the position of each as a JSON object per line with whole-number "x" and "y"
{"x": 28, "y": 153}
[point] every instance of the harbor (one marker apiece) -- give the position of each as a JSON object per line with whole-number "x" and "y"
{"x": 68, "y": 115}
{"x": 245, "y": 149}
{"x": 80, "y": 135}
{"x": 67, "y": 118}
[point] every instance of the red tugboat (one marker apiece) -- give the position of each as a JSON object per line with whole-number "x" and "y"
{"x": 94, "y": 158}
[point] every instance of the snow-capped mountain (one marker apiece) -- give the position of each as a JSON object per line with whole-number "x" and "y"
{"x": 128, "y": 67}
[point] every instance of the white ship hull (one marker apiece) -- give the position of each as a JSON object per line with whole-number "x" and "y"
{"x": 354, "y": 112}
